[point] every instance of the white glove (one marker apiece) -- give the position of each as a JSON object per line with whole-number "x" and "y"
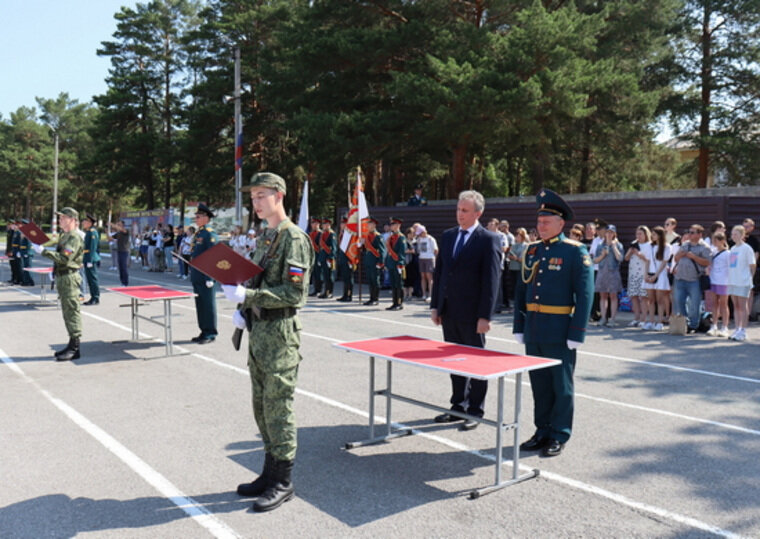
{"x": 209, "y": 284}
{"x": 18, "y": 255}
{"x": 89, "y": 264}
{"x": 238, "y": 320}
{"x": 573, "y": 345}
{"x": 234, "y": 293}
{"x": 37, "y": 248}
{"x": 519, "y": 337}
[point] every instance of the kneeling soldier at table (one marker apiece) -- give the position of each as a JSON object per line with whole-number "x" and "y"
{"x": 286, "y": 254}
{"x": 552, "y": 306}
{"x": 67, "y": 259}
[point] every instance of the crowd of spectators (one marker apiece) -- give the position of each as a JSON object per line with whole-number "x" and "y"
{"x": 704, "y": 279}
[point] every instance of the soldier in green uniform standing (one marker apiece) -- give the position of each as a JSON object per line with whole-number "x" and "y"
{"x": 552, "y": 306}
{"x": 327, "y": 247}
{"x": 345, "y": 267}
{"x": 316, "y": 270}
{"x": 287, "y": 256}
{"x": 205, "y": 300}
{"x": 25, "y": 249}
{"x": 91, "y": 258}
{"x": 67, "y": 258}
{"x": 396, "y": 248}
{"x": 373, "y": 260}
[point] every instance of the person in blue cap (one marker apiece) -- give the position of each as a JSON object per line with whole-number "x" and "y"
{"x": 555, "y": 290}
{"x": 205, "y": 300}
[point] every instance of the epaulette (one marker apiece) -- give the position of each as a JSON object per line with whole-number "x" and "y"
{"x": 208, "y": 228}
{"x": 572, "y": 242}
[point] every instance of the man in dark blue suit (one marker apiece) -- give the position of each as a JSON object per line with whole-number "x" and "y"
{"x": 465, "y": 287}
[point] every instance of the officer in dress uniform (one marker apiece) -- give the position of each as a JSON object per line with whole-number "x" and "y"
{"x": 327, "y": 247}
{"x": 91, "y": 258}
{"x": 15, "y": 256}
{"x": 9, "y": 246}
{"x": 26, "y": 251}
{"x": 396, "y": 248}
{"x": 316, "y": 270}
{"x": 373, "y": 260}
{"x": 345, "y": 267}
{"x": 286, "y": 254}
{"x": 417, "y": 199}
{"x": 205, "y": 300}
{"x": 552, "y": 306}
{"x": 67, "y": 258}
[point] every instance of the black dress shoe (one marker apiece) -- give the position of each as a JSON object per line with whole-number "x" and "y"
{"x": 469, "y": 424}
{"x": 205, "y": 340}
{"x": 535, "y": 443}
{"x": 446, "y": 418}
{"x": 198, "y": 338}
{"x": 92, "y": 301}
{"x": 553, "y": 448}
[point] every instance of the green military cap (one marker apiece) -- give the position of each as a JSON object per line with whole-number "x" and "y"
{"x": 69, "y": 212}
{"x": 266, "y": 179}
{"x": 550, "y": 203}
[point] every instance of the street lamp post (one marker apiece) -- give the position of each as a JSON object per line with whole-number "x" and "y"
{"x": 54, "y": 223}
{"x": 238, "y": 144}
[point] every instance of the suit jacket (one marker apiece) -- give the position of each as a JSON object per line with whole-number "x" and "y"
{"x": 466, "y": 288}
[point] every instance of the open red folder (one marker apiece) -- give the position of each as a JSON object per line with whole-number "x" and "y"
{"x": 33, "y": 233}
{"x": 223, "y": 264}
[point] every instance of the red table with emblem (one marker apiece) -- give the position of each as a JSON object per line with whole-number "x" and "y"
{"x": 450, "y": 358}
{"x": 142, "y": 295}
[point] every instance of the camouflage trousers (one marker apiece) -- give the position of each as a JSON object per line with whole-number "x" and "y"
{"x": 273, "y": 360}
{"x": 68, "y": 292}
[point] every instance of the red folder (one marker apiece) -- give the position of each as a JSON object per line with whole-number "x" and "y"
{"x": 33, "y": 233}
{"x": 223, "y": 264}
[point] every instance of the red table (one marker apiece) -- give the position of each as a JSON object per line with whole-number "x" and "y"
{"x": 43, "y": 273}
{"x": 450, "y": 358}
{"x": 141, "y": 295}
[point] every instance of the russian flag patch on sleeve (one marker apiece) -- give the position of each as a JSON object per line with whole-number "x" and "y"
{"x": 295, "y": 274}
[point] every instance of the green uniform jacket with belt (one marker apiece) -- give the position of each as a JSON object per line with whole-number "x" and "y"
{"x": 68, "y": 254}
{"x": 555, "y": 290}
{"x": 91, "y": 243}
{"x": 284, "y": 285}
{"x": 205, "y": 238}
{"x": 374, "y": 256}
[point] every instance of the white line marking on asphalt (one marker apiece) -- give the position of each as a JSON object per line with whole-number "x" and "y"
{"x": 579, "y": 485}
{"x": 193, "y": 509}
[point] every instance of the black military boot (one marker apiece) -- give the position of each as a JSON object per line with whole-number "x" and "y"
{"x": 395, "y": 300}
{"x": 64, "y": 350}
{"x": 280, "y": 488}
{"x": 371, "y": 300}
{"x": 400, "y": 303}
{"x": 71, "y": 353}
{"x": 259, "y": 485}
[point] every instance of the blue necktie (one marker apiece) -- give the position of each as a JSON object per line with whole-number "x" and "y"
{"x": 460, "y": 242}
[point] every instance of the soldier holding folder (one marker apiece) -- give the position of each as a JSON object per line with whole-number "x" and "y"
{"x": 286, "y": 254}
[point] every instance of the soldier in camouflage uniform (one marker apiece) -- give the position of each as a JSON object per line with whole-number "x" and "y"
{"x": 286, "y": 253}
{"x": 67, "y": 258}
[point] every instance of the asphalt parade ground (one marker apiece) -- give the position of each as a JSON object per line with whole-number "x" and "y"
{"x": 122, "y": 443}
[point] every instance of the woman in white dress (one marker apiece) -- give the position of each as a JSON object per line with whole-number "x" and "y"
{"x": 657, "y": 253}
{"x": 637, "y": 269}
